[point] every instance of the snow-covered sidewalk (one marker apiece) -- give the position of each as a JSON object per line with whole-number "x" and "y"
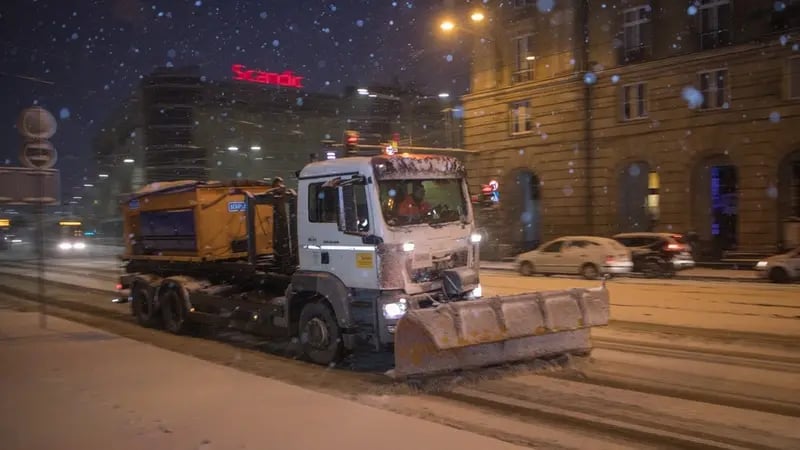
{"x": 74, "y": 387}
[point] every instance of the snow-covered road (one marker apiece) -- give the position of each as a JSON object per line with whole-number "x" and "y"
{"x": 684, "y": 365}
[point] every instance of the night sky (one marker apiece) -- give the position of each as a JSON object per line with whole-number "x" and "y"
{"x": 81, "y": 58}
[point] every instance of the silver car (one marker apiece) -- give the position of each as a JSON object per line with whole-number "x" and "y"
{"x": 781, "y": 268}
{"x": 589, "y": 256}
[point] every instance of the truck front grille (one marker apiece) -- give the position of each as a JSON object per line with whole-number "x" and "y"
{"x": 440, "y": 264}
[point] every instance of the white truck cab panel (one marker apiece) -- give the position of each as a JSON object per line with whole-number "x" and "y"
{"x": 348, "y": 227}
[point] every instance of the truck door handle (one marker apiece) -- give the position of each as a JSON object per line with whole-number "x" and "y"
{"x": 326, "y": 258}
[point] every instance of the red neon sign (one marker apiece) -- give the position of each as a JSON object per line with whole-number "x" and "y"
{"x": 287, "y": 78}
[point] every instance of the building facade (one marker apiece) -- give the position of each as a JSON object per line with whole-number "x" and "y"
{"x": 629, "y": 115}
{"x": 180, "y": 125}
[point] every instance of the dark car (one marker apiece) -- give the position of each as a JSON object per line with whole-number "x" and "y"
{"x": 658, "y": 253}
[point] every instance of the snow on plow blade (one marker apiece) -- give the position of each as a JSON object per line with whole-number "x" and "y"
{"x": 497, "y": 330}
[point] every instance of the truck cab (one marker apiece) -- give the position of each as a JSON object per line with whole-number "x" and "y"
{"x": 393, "y": 230}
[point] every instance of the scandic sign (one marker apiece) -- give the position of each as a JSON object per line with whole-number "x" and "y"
{"x": 287, "y": 78}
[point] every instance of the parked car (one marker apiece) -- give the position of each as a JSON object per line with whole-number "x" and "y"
{"x": 589, "y": 256}
{"x": 658, "y": 253}
{"x": 781, "y": 268}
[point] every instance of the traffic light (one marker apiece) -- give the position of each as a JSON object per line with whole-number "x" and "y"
{"x": 351, "y": 141}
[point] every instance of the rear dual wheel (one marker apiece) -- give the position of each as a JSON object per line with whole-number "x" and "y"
{"x": 143, "y": 307}
{"x": 173, "y": 312}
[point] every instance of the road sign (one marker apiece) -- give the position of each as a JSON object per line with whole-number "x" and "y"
{"x": 38, "y": 154}
{"x": 37, "y": 123}
{"x": 24, "y": 186}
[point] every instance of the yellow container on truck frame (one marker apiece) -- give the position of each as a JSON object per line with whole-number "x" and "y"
{"x": 195, "y": 221}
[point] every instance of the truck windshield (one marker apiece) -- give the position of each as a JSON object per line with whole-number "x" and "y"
{"x": 413, "y": 202}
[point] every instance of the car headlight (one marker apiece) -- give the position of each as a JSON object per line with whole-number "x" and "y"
{"x": 475, "y": 238}
{"x": 65, "y": 246}
{"x": 761, "y": 265}
{"x": 396, "y": 310}
{"x": 408, "y": 247}
{"x": 79, "y": 246}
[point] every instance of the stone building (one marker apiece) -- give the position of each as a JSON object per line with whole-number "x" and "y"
{"x": 602, "y": 117}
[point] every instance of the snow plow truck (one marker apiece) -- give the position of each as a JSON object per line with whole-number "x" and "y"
{"x": 370, "y": 253}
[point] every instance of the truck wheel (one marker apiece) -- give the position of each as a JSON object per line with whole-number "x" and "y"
{"x": 143, "y": 308}
{"x": 173, "y": 312}
{"x": 320, "y": 335}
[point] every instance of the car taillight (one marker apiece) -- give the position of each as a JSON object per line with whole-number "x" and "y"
{"x": 119, "y": 287}
{"x": 673, "y": 247}
{"x": 609, "y": 259}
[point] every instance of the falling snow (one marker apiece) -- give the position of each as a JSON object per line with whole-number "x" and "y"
{"x": 692, "y": 96}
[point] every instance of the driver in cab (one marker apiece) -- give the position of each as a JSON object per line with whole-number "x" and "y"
{"x": 414, "y": 205}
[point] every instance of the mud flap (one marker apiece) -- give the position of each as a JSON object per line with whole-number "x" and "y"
{"x": 498, "y": 330}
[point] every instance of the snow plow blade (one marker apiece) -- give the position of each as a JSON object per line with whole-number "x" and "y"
{"x": 497, "y": 330}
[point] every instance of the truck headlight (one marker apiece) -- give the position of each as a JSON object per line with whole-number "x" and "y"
{"x": 79, "y": 246}
{"x": 475, "y": 238}
{"x": 477, "y": 292}
{"x": 65, "y": 246}
{"x": 395, "y": 310}
{"x": 761, "y": 265}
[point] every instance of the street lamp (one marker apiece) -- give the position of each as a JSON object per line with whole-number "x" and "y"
{"x": 477, "y": 16}
{"x": 447, "y": 25}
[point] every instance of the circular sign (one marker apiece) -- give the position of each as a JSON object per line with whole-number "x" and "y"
{"x": 37, "y": 123}
{"x": 39, "y": 154}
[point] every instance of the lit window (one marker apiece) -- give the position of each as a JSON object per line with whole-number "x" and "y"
{"x": 524, "y": 59}
{"x": 634, "y": 101}
{"x": 715, "y": 89}
{"x": 521, "y": 120}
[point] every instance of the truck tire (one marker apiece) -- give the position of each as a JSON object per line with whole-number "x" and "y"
{"x": 143, "y": 307}
{"x": 173, "y": 312}
{"x": 320, "y": 335}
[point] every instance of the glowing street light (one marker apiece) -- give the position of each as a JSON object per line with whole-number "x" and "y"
{"x": 128, "y": 161}
{"x": 255, "y": 148}
{"x": 447, "y": 25}
{"x": 103, "y": 175}
{"x": 477, "y": 16}
{"x": 444, "y": 95}
{"x": 233, "y": 148}
{"x": 363, "y": 91}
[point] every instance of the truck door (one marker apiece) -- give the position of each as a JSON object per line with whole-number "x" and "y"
{"x": 340, "y": 215}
